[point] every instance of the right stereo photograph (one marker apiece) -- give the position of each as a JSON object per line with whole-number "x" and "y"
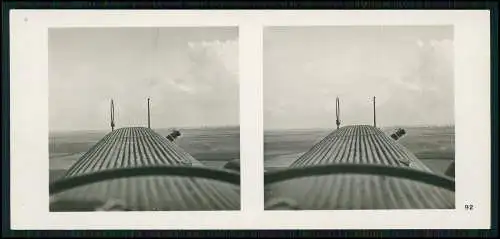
{"x": 359, "y": 117}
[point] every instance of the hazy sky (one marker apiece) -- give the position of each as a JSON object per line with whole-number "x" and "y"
{"x": 408, "y": 69}
{"x": 190, "y": 74}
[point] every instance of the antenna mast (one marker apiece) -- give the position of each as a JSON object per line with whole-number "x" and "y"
{"x": 112, "y": 115}
{"x": 337, "y": 111}
{"x": 149, "y": 116}
{"x": 374, "y": 114}
{"x": 154, "y": 65}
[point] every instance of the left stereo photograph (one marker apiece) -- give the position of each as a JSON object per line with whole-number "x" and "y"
{"x": 144, "y": 119}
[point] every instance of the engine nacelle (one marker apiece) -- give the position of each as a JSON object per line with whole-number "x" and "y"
{"x": 172, "y": 136}
{"x": 398, "y": 134}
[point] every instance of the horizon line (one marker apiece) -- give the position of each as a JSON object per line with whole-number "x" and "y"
{"x": 178, "y": 127}
{"x": 383, "y": 126}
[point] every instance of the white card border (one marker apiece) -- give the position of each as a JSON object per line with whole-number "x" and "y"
{"x": 29, "y": 121}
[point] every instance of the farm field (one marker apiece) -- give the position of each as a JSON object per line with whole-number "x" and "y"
{"x": 434, "y": 146}
{"x": 212, "y": 146}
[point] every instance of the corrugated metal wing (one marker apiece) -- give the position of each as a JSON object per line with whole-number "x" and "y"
{"x": 139, "y": 147}
{"x": 360, "y": 144}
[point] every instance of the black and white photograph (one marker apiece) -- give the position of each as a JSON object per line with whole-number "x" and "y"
{"x": 359, "y": 117}
{"x": 144, "y": 119}
{"x": 249, "y": 120}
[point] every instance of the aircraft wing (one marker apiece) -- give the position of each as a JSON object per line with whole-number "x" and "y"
{"x": 358, "y": 167}
{"x": 139, "y": 169}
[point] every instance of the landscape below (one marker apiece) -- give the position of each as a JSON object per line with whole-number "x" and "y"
{"x": 433, "y": 145}
{"x": 212, "y": 146}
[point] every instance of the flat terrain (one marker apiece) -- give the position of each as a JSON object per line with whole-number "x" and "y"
{"x": 434, "y": 146}
{"x": 212, "y": 146}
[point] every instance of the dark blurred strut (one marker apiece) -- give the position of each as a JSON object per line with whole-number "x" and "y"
{"x": 374, "y": 114}
{"x": 337, "y": 111}
{"x": 149, "y": 116}
{"x": 112, "y": 115}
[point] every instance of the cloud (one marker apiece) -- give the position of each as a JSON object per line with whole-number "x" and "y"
{"x": 206, "y": 90}
{"x": 409, "y": 70}
{"x": 425, "y": 94}
{"x": 225, "y": 52}
{"x": 182, "y": 87}
{"x": 191, "y": 81}
{"x": 420, "y": 43}
{"x": 213, "y": 66}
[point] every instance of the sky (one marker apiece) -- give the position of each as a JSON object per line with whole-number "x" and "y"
{"x": 409, "y": 69}
{"x": 190, "y": 74}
